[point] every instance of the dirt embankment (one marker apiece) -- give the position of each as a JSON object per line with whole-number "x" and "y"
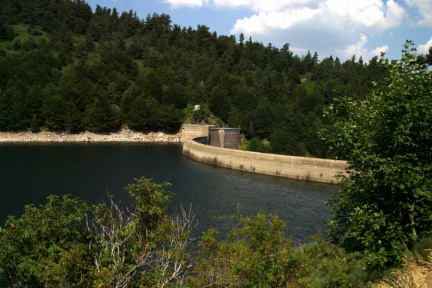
{"x": 121, "y": 136}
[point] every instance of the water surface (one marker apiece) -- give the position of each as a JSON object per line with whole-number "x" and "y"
{"x": 31, "y": 172}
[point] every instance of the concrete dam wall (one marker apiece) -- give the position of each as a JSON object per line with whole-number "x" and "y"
{"x": 304, "y": 168}
{"x": 224, "y": 137}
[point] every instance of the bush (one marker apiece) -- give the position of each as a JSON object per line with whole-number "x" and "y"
{"x": 255, "y": 144}
{"x": 423, "y": 248}
{"x": 385, "y": 200}
{"x": 326, "y": 265}
{"x": 256, "y": 254}
{"x": 66, "y": 243}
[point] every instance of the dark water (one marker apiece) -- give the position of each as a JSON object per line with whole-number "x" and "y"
{"x": 31, "y": 172}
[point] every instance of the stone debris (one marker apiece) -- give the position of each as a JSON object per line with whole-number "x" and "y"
{"x": 125, "y": 135}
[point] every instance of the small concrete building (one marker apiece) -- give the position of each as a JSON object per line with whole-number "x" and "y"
{"x": 224, "y": 137}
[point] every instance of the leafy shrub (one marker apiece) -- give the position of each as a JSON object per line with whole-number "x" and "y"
{"x": 66, "y": 243}
{"x": 385, "y": 200}
{"x": 423, "y": 248}
{"x": 255, "y": 254}
{"x": 256, "y": 145}
{"x": 326, "y": 265}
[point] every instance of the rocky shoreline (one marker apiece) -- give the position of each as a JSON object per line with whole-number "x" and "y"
{"x": 124, "y": 135}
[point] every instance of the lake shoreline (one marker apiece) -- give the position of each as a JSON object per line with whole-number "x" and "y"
{"x": 124, "y": 135}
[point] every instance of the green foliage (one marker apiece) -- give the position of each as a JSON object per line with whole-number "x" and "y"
{"x": 256, "y": 254}
{"x": 309, "y": 86}
{"x": 46, "y": 246}
{"x": 7, "y": 33}
{"x": 16, "y": 110}
{"x": 150, "y": 246}
{"x": 326, "y": 265}
{"x": 58, "y": 114}
{"x": 152, "y": 201}
{"x": 385, "y": 198}
{"x": 218, "y": 102}
{"x": 170, "y": 119}
{"x": 66, "y": 243}
{"x": 101, "y": 117}
{"x": 143, "y": 114}
{"x": 197, "y": 116}
{"x": 423, "y": 248}
{"x": 256, "y": 145}
{"x": 28, "y": 43}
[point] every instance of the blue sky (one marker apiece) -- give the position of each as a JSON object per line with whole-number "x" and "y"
{"x": 341, "y": 28}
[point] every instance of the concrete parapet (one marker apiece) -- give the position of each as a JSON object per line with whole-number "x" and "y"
{"x": 305, "y": 168}
{"x": 191, "y": 131}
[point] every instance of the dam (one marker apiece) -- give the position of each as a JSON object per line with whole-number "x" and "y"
{"x": 217, "y": 146}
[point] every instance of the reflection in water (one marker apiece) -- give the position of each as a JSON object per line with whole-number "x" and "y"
{"x": 31, "y": 172}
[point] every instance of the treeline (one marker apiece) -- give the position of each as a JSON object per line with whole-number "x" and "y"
{"x": 66, "y": 68}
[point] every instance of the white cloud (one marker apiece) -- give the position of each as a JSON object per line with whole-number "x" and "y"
{"x": 377, "y": 51}
{"x": 328, "y": 26}
{"x": 358, "y": 49}
{"x": 265, "y": 21}
{"x": 186, "y": 3}
{"x": 371, "y": 14}
{"x": 424, "y": 11}
{"x": 265, "y": 6}
{"x": 231, "y": 4}
{"x": 424, "y": 49}
{"x": 355, "y": 49}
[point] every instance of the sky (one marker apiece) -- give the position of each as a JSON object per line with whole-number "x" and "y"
{"x": 338, "y": 28}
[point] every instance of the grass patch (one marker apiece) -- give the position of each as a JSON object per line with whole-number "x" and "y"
{"x": 309, "y": 86}
{"x": 21, "y": 29}
{"x": 244, "y": 145}
{"x": 5, "y": 45}
{"x": 142, "y": 69}
{"x": 414, "y": 274}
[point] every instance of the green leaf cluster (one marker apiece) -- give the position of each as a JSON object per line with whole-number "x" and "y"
{"x": 45, "y": 247}
{"x": 67, "y": 243}
{"x": 385, "y": 200}
{"x": 256, "y": 254}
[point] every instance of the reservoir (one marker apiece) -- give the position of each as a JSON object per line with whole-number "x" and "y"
{"x": 30, "y": 172}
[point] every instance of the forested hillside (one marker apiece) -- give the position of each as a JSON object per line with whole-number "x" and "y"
{"x": 64, "y": 67}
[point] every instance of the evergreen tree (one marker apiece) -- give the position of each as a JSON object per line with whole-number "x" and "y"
{"x": 100, "y": 116}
